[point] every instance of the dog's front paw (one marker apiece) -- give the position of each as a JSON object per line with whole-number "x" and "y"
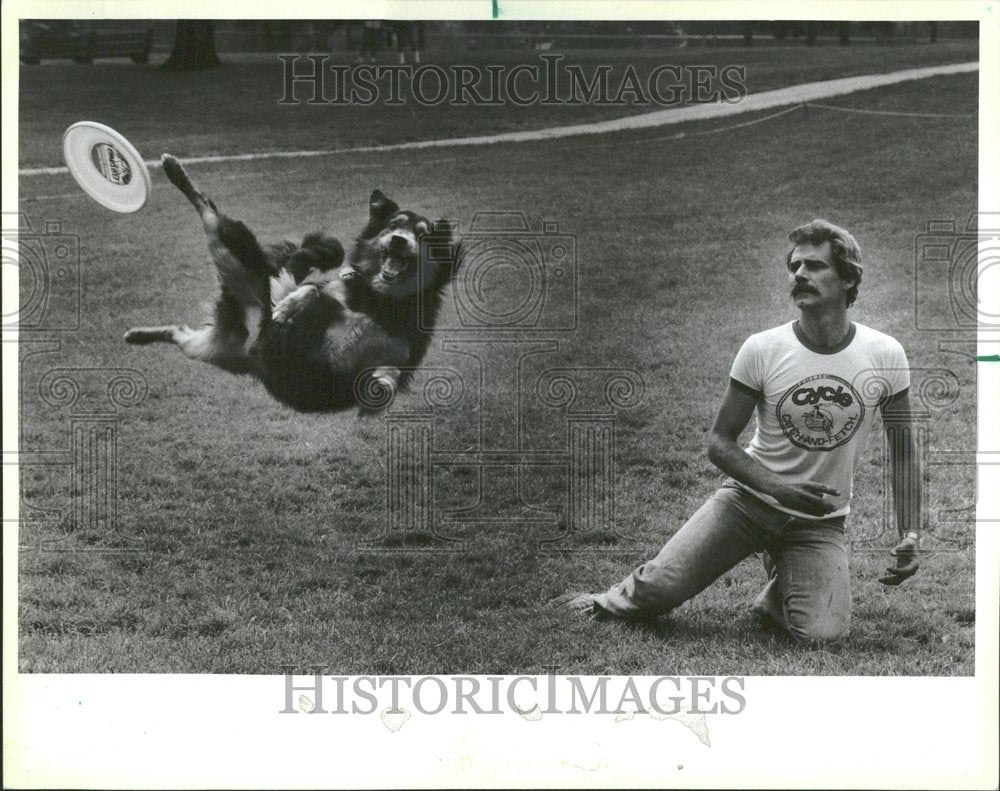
{"x": 387, "y": 376}
{"x": 379, "y": 391}
{"x": 292, "y": 305}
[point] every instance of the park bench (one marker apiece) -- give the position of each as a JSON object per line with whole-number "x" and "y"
{"x": 85, "y": 45}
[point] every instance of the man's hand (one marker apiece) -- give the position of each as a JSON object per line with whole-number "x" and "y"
{"x": 907, "y": 562}
{"x": 805, "y": 496}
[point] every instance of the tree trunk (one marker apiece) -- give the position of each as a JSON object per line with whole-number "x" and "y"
{"x": 194, "y": 46}
{"x": 747, "y": 34}
{"x": 884, "y": 32}
{"x": 844, "y": 33}
{"x": 810, "y": 34}
{"x": 933, "y": 32}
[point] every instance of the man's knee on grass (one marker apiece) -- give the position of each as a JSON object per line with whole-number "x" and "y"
{"x": 818, "y": 631}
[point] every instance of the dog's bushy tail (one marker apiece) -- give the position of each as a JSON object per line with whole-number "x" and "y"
{"x": 234, "y": 236}
{"x": 174, "y": 171}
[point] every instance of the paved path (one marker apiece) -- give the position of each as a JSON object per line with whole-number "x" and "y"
{"x": 781, "y": 97}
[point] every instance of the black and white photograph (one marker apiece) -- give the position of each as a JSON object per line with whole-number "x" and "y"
{"x": 528, "y": 394}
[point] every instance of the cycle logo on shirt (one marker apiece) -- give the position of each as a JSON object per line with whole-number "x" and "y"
{"x": 821, "y": 412}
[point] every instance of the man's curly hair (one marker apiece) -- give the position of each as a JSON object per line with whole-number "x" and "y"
{"x": 846, "y": 250}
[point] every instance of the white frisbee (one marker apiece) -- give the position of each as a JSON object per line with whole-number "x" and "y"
{"x": 106, "y": 166}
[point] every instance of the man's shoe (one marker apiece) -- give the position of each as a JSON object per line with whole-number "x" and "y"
{"x": 578, "y": 602}
{"x": 582, "y": 604}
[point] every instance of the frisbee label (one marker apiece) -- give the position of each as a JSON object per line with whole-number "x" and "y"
{"x": 821, "y": 412}
{"x": 106, "y": 166}
{"x": 111, "y": 164}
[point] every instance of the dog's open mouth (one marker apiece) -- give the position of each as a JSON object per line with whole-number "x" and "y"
{"x": 396, "y": 269}
{"x": 399, "y": 257}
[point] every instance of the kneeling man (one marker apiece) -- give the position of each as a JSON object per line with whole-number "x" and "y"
{"x": 814, "y": 385}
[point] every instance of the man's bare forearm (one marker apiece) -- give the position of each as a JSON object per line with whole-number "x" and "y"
{"x": 728, "y": 456}
{"x": 807, "y": 497}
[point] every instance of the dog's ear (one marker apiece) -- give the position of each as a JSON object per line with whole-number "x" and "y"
{"x": 380, "y": 207}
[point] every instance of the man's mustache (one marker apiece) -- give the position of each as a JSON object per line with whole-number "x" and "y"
{"x": 803, "y": 290}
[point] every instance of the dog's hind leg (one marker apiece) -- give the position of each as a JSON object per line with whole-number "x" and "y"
{"x": 222, "y": 343}
{"x": 242, "y": 263}
{"x": 174, "y": 171}
{"x": 196, "y": 344}
{"x": 201, "y": 344}
{"x": 140, "y": 336}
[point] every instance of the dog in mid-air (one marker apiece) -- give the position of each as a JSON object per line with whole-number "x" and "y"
{"x": 319, "y": 333}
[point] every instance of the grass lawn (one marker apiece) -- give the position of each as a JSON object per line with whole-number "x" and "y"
{"x": 254, "y": 518}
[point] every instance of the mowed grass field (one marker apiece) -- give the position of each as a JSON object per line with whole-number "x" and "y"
{"x": 253, "y": 519}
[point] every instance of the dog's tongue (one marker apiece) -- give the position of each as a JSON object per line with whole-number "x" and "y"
{"x": 392, "y": 268}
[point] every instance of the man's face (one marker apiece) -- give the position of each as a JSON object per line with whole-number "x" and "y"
{"x": 813, "y": 279}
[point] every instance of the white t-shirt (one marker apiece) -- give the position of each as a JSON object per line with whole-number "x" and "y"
{"x": 815, "y": 409}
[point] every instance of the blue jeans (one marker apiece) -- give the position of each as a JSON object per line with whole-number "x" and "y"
{"x": 809, "y": 592}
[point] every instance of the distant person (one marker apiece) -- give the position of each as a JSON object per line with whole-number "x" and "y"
{"x": 371, "y": 31}
{"x": 815, "y": 384}
{"x": 408, "y": 36}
